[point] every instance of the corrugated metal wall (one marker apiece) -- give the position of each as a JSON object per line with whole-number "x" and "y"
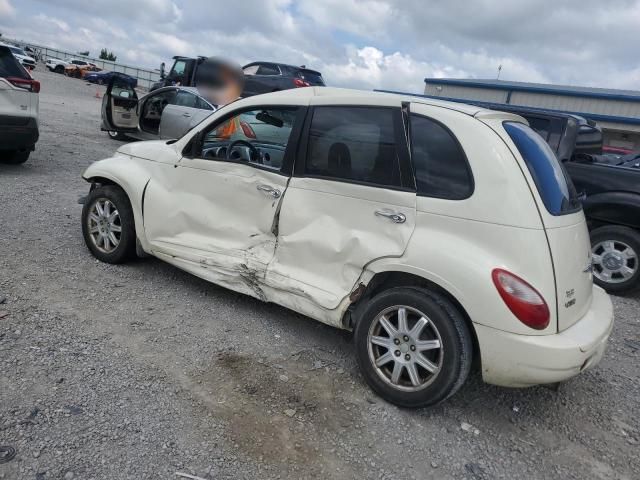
{"x": 564, "y": 103}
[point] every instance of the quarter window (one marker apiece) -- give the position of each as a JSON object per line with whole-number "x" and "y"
{"x": 259, "y": 137}
{"x": 266, "y": 69}
{"x": 354, "y": 144}
{"x": 440, "y": 165}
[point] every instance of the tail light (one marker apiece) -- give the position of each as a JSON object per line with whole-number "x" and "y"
{"x": 523, "y": 300}
{"x": 247, "y": 130}
{"x": 298, "y": 82}
{"x": 24, "y": 83}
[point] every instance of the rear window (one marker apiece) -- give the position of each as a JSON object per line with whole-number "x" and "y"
{"x": 9, "y": 66}
{"x": 312, "y": 77}
{"x": 556, "y": 189}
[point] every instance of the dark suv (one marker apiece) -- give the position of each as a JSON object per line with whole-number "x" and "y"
{"x": 264, "y": 77}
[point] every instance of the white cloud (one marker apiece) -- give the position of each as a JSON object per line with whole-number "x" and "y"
{"x": 6, "y": 9}
{"x": 389, "y": 44}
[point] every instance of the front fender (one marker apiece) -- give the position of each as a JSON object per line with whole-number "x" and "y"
{"x": 620, "y": 208}
{"x": 130, "y": 174}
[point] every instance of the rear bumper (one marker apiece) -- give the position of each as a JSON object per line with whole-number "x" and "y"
{"x": 512, "y": 360}
{"x": 18, "y": 133}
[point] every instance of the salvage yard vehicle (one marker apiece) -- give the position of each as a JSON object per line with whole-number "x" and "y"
{"x": 104, "y": 77}
{"x": 259, "y": 77}
{"x": 439, "y": 232}
{"x": 19, "y": 105}
{"x": 58, "y": 66}
{"x": 26, "y": 60}
{"x": 168, "y": 112}
{"x": 265, "y": 77}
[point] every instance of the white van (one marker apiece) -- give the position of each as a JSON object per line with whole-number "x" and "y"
{"x": 438, "y": 232}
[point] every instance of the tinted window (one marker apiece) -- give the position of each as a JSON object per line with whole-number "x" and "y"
{"x": 186, "y": 99}
{"x": 251, "y": 70}
{"x": 542, "y": 126}
{"x": 353, "y": 143}
{"x": 259, "y": 137}
{"x": 440, "y": 165}
{"x": 9, "y": 66}
{"x": 266, "y": 69}
{"x": 554, "y": 186}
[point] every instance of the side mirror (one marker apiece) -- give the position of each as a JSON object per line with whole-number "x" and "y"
{"x": 162, "y": 72}
{"x": 195, "y": 146}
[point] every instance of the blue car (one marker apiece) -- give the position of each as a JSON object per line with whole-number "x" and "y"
{"x": 103, "y": 78}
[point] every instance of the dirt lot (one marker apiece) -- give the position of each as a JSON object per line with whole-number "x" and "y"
{"x": 141, "y": 371}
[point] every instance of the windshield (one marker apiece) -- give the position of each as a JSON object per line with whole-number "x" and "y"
{"x": 554, "y": 185}
{"x": 18, "y": 51}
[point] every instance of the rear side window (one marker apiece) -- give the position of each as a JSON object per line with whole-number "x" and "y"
{"x": 354, "y": 144}
{"x": 9, "y": 66}
{"x": 440, "y": 165}
{"x": 553, "y": 184}
{"x": 266, "y": 69}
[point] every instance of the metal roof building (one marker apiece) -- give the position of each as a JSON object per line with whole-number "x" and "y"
{"x": 617, "y": 112}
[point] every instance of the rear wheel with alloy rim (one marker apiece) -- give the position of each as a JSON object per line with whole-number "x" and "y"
{"x": 615, "y": 254}
{"x": 413, "y": 347}
{"x": 108, "y": 225}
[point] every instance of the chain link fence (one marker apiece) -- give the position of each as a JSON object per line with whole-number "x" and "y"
{"x": 146, "y": 77}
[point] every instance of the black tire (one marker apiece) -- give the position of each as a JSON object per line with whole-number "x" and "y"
{"x": 100, "y": 81}
{"x": 620, "y": 236}
{"x": 59, "y": 69}
{"x": 15, "y": 157}
{"x": 456, "y": 353}
{"x": 117, "y": 136}
{"x": 126, "y": 248}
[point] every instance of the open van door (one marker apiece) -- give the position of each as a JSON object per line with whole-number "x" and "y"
{"x": 120, "y": 106}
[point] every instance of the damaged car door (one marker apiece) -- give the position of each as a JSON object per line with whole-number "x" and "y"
{"x": 351, "y": 200}
{"x": 215, "y": 213}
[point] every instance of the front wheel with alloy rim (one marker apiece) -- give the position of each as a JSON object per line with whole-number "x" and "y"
{"x": 615, "y": 253}
{"x": 413, "y": 346}
{"x": 108, "y": 225}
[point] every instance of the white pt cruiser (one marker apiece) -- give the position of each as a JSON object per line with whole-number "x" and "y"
{"x": 440, "y": 233}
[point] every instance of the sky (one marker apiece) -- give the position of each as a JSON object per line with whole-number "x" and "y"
{"x": 390, "y": 44}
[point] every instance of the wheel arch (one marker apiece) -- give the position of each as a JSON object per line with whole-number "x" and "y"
{"x": 613, "y": 208}
{"x": 387, "y": 279}
{"x": 134, "y": 189}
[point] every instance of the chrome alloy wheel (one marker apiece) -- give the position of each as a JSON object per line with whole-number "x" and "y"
{"x": 104, "y": 225}
{"x": 405, "y": 348}
{"x": 614, "y": 261}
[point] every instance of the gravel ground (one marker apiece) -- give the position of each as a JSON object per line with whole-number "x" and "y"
{"x": 141, "y": 371}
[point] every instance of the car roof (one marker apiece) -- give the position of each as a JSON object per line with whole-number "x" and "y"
{"x": 297, "y": 67}
{"x": 364, "y": 97}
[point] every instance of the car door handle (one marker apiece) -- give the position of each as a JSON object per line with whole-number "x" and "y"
{"x": 395, "y": 217}
{"x": 272, "y": 192}
{"x": 187, "y": 115}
